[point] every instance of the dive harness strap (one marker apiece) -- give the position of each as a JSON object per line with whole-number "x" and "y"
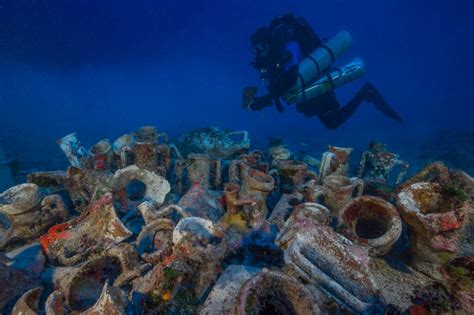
{"x": 318, "y": 68}
{"x": 330, "y": 52}
{"x": 316, "y": 64}
{"x": 303, "y": 84}
{"x": 330, "y": 80}
{"x": 333, "y": 58}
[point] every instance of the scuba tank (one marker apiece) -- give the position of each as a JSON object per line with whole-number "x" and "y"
{"x": 335, "y": 78}
{"x": 6, "y": 179}
{"x": 313, "y": 66}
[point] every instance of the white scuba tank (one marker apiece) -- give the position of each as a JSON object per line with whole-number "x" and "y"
{"x": 6, "y": 179}
{"x": 313, "y": 66}
{"x": 335, "y": 78}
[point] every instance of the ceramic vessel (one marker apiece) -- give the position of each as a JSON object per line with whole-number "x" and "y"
{"x": 371, "y": 222}
{"x": 77, "y": 155}
{"x": 335, "y": 162}
{"x": 437, "y": 220}
{"x": 339, "y": 190}
{"x": 123, "y": 148}
{"x": 204, "y": 170}
{"x": 102, "y": 155}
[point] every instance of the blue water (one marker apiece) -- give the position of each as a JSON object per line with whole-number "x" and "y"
{"x": 103, "y": 68}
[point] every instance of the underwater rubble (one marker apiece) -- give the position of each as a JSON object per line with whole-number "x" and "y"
{"x": 208, "y": 226}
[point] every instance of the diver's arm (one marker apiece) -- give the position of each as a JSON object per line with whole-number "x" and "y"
{"x": 253, "y": 102}
{"x": 257, "y": 103}
{"x": 287, "y": 73}
{"x": 282, "y": 82}
{"x": 278, "y": 87}
{"x": 280, "y": 79}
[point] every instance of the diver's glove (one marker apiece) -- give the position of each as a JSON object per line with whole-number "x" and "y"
{"x": 258, "y": 103}
{"x": 248, "y": 94}
{"x": 255, "y": 103}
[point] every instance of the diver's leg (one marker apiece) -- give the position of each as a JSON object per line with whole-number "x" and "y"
{"x": 336, "y": 116}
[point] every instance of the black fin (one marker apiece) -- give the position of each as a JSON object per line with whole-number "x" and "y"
{"x": 387, "y": 110}
{"x": 373, "y": 96}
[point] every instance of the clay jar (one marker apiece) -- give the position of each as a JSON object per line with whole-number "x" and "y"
{"x": 338, "y": 191}
{"x": 256, "y": 186}
{"x": 146, "y": 156}
{"x": 372, "y": 222}
{"x": 378, "y": 163}
{"x": 200, "y": 202}
{"x": 74, "y": 151}
{"x": 292, "y": 174}
{"x": 150, "y": 134}
{"x": 325, "y": 258}
{"x": 308, "y": 212}
{"x": 147, "y": 134}
{"x": 72, "y": 242}
{"x": 202, "y": 244}
{"x": 123, "y": 149}
{"x": 28, "y": 303}
{"x": 29, "y": 214}
{"x": 276, "y": 293}
{"x": 21, "y": 205}
{"x": 224, "y": 295}
{"x": 102, "y": 156}
{"x": 335, "y": 162}
{"x": 234, "y": 206}
{"x": 155, "y": 187}
{"x": 279, "y": 153}
{"x": 232, "y": 196}
{"x": 82, "y": 285}
{"x": 204, "y": 170}
{"x": 436, "y": 221}
{"x": 20, "y": 199}
{"x": 255, "y": 160}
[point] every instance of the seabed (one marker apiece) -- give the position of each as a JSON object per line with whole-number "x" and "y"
{"x": 205, "y": 225}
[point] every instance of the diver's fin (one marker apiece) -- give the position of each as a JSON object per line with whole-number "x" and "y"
{"x": 373, "y": 96}
{"x": 387, "y": 110}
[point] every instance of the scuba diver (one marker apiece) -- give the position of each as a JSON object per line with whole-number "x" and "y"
{"x": 295, "y": 65}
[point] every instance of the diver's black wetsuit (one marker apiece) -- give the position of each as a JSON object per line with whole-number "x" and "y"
{"x": 270, "y": 46}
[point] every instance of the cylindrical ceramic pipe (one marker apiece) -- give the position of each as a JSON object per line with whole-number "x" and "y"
{"x": 372, "y": 222}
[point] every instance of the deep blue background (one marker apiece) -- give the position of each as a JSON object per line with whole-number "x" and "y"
{"x": 103, "y": 68}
